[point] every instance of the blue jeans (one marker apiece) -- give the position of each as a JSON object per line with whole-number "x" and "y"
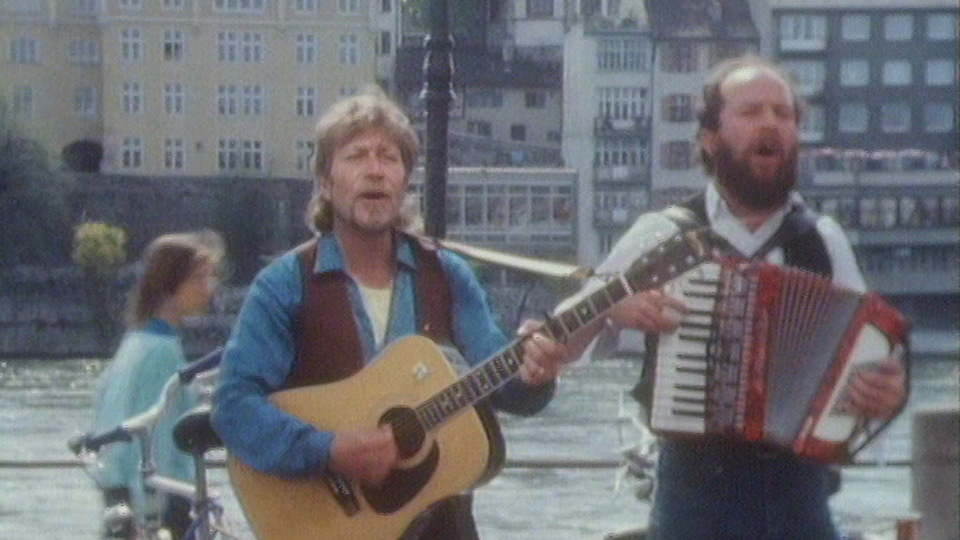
{"x": 716, "y": 490}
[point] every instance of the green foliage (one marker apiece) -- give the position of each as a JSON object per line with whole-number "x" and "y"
{"x": 33, "y": 200}
{"x": 99, "y": 248}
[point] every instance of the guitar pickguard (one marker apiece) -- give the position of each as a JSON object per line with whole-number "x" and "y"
{"x": 402, "y": 485}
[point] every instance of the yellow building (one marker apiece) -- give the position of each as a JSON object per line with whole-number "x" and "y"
{"x": 190, "y": 87}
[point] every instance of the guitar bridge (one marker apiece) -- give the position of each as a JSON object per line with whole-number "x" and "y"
{"x": 343, "y": 493}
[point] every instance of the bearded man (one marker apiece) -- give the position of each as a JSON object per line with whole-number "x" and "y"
{"x": 713, "y": 488}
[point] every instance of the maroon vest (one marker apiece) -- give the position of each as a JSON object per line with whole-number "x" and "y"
{"x": 326, "y": 333}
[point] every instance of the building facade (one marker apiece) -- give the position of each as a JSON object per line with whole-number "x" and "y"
{"x": 190, "y": 87}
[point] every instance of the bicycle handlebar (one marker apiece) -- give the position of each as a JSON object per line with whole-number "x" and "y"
{"x": 206, "y": 362}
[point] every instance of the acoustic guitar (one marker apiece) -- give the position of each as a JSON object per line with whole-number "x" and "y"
{"x": 448, "y": 443}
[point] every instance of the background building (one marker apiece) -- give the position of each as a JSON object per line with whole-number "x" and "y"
{"x": 191, "y": 87}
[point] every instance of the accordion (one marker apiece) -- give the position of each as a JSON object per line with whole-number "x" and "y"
{"x": 764, "y": 354}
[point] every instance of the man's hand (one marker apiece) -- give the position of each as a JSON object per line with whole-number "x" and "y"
{"x": 649, "y": 311}
{"x": 880, "y": 391}
{"x": 543, "y": 358}
{"x": 367, "y": 454}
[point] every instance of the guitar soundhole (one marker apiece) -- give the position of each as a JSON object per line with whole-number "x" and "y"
{"x": 407, "y": 430}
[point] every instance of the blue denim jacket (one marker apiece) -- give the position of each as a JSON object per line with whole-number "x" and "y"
{"x": 261, "y": 352}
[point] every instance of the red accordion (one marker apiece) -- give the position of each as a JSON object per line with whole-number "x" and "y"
{"x": 764, "y": 354}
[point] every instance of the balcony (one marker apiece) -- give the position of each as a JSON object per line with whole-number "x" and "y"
{"x": 626, "y": 174}
{"x": 638, "y": 126}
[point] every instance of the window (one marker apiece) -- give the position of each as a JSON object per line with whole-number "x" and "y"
{"x": 813, "y": 124}
{"x": 24, "y": 50}
{"x": 386, "y": 42}
{"x": 236, "y": 154}
{"x": 803, "y": 32}
{"x": 855, "y": 27}
{"x": 130, "y": 4}
{"x": 898, "y": 27}
{"x": 897, "y": 73}
{"x": 307, "y": 50}
{"x": 854, "y": 72}
{"x": 941, "y": 26}
{"x": 307, "y": 5}
{"x": 938, "y": 117}
{"x": 518, "y": 132}
{"x": 173, "y": 5}
{"x": 251, "y": 47}
{"x": 304, "y": 155}
{"x": 676, "y": 155}
{"x": 22, "y": 105}
{"x": 386, "y": 6}
{"x": 227, "y": 99}
{"x": 132, "y": 97}
{"x": 854, "y": 118}
{"x": 810, "y": 76}
{"x": 349, "y": 49}
{"x": 622, "y": 54}
{"x": 482, "y": 99}
{"x": 85, "y": 100}
{"x": 348, "y": 6}
{"x": 228, "y": 47}
{"x": 622, "y": 102}
{"x": 678, "y": 108}
{"x": 173, "y": 45}
{"x": 941, "y": 72}
{"x": 131, "y": 153}
{"x": 620, "y": 152}
{"x": 479, "y": 127}
{"x": 539, "y": 9}
{"x": 252, "y": 99}
{"x": 895, "y": 117}
{"x": 173, "y": 154}
{"x": 131, "y": 43}
{"x": 678, "y": 57}
{"x": 255, "y": 6}
{"x": 173, "y": 98}
{"x": 535, "y": 100}
{"x": 84, "y": 51}
{"x": 306, "y": 101}
{"x": 84, "y": 7}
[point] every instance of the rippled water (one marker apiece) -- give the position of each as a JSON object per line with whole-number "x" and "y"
{"x": 43, "y": 403}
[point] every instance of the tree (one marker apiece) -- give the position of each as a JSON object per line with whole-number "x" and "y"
{"x": 99, "y": 249}
{"x": 33, "y": 200}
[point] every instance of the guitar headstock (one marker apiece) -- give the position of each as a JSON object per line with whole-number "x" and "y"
{"x": 670, "y": 258}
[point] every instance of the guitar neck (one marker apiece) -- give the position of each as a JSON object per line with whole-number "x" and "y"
{"x": 669, "y": 259}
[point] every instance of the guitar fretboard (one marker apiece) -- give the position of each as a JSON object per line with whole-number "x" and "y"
{"x": 668, "y": 260}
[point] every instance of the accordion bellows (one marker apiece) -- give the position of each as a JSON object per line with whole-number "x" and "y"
{"x": 764, "y": 354}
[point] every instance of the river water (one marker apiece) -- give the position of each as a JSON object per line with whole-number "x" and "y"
{"x": 43, "y": 403}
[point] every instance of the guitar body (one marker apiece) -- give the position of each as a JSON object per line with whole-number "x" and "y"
{"x": 453, "y": 458}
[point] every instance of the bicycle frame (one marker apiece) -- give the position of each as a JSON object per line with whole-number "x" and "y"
{"x": 140, "y": 428}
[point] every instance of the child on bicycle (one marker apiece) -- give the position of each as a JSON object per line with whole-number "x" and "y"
{"x": 179, "y": 280}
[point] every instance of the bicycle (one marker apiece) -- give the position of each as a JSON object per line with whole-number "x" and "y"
{"x": 192, "y": 434}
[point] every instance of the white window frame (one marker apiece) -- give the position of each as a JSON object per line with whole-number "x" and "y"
{"x": 131, "y": 44}
{"x": 85, "y": 100}
{"x": 308, "y": 48}
{"x": 174, "y": 98}
{"x": 174, "y": 45}
{"x": 174, "y": 154}
{"x": 228, "y": 46}
{"x": 132, "y": 97}
{"x": 228, "y": 100}
{"x": 252, "y": 47}
{"x": 25, "y": 50}
{"x": 349, "y": 51}
{"x": 803, "y": 32}
{"x": 131, "y": 153}
{"x": 307, "y": 104}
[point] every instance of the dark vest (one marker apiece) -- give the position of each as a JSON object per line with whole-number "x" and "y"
{"x": 802, "y": 245}
{"x": 326, "y": 333}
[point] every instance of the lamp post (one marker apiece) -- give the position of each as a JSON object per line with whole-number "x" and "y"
{"x": 437, "y": 95}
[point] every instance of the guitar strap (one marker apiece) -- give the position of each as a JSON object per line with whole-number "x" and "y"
{"x": 328, "y": 342}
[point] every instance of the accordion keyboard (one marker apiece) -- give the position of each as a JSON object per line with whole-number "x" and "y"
{"x": 680, "y": 402}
